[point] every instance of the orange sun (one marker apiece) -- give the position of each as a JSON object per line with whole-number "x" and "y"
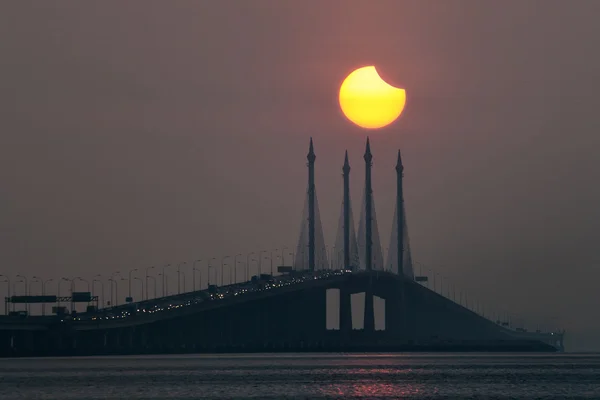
{"x": 369, "y": 101}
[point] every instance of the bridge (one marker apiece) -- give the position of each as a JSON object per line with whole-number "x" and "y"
{"x": 283, "y": 311}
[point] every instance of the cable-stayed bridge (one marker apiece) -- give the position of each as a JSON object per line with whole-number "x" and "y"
{"x": 279, "y": 312}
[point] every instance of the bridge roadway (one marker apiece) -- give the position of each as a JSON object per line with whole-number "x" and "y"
{"x": 286, "y": 311}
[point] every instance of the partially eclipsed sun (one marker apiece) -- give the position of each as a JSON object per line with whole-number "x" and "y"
{"x": 369, "y": 101}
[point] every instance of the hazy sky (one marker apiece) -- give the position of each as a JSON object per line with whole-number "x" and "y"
{"x": 142, "y": 133}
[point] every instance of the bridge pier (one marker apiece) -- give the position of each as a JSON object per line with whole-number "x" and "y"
{"x": 393, "y": 315}
{"x": 369, "y": 321}
{"x": 345, "y": 313}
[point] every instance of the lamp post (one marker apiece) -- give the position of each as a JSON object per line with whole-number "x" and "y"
{"x": 273, "y": 251}
{"x": 34, "y": 279}
{"x": 179, "y": 277}
{"x": 265, "y": 257}
{"x": 260, "y": 256}
{"x": 23, "y": 279}
{"x": 248, "y": 264}
{"x": 154, "y": 284}
{"x": 131, "y": 271}
{"x": 112, "y": 277}
{"x": 63, "y": 279}
{"x": 194, "y": 275}
{"x": 165, "y": 281}
{"x": 44, "y": 283}
{"x": 235, "y": 263}
{"x": 147, "y": 269}
{"x": 209, "y": 266}
{"x": 223, "y": 267}
{"x": 73, "y": 289}
{"x": 282, "y": 257}
{"x": 98, "y": 278}
{"x": 116, "y": 302}
{"x": 78, "y": 278}
{"x": 7, "y": 280}
{"x": 141, "y": 282}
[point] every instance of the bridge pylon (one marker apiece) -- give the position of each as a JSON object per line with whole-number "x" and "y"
{"x": 311, "y": 253}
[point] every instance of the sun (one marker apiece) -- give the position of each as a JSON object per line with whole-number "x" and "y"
{"x": 369, "y": 101}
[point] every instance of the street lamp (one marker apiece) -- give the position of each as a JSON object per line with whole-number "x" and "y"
{"x": 282, "y": 257}
{"x": 130, "y": 272}
{"x": 34, "y": 279}
{"x": 101, "y": 288}
{"x": 154, "y": 284}
{"x": 44, "y": 293}
{"x": 22, "y": 279}
{"x": 73, "y": 289}
{"x": 223, "y": 267}
{"x": 248, "y": 264}
{"x": 208, "y": 280}
{"x": 273, "y": 251}
{"x": 7, "y": 280}
{"x": 260, "y": 256}
{"x": 179, "y": 277}
{"x": 265, "y": 257}
{"x": 78, "y": 278}
{"x": 116, "y": 302}
{"x": 165, "y": 281}
{"x": 194, "y": 275}
{"x": 147, "y": 269}
{"x": 141, "y": 282}
{"x": 235, "y": 263}
{"x": 63, "y": 279}
{"x": 112, "y": 278}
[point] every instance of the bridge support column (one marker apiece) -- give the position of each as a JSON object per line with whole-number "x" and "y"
{"x": 369, "y": 321}
{"x": 393, "y": 315}
{"x": 318, "y": 315}
{"x": 345, "y": 312}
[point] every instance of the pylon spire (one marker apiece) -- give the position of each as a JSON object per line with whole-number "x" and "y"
{"x": 368, "y": 156}
{"x": 311, "y": 206}
{"x": 311, "y": 152}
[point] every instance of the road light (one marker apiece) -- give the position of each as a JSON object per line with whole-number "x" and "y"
{"x": 165, "y": 281}
{"x": 34, "y": 279}
{"x": 141, "y": 282}
{"x": 260, "y": 256}
{"x": 147, "y": 269}
{"x": 194, "y": 275}
{"x": 282, "y": 257}
{"x": 248, "y": 264}
{"x": 223, "y": 267}
{"x": 98, "y": 278}
{"x": 7, "y": 280}
{"x": 63, "y": 279}
{"x": 209, "y": 266}
{"x": 179, "y": 277}
{"x": 78, "y": 278}
{"x": 272, "y": 251}
{"x": 154, "y": 284}
{"x": 112, "y": 278}
{"x": 235, "y": 263}
{"x": 22, "y": 279}
{"x": 73, "y": 289}
{"x": 131, "y": 271}
{"x": 44, "y": 293}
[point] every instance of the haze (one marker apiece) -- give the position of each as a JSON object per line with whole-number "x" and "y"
{"x": 142, "y": 133}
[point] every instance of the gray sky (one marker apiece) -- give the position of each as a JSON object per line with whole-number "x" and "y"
{"x": 142, "y": 133}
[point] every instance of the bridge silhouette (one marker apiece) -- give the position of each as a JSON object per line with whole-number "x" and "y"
{"x": 280, "y": 308}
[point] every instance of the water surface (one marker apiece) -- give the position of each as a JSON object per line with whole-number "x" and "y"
{"x": 281, "y": 376}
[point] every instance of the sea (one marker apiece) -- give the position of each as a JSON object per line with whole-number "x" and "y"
{"x": 305, "y": 376}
